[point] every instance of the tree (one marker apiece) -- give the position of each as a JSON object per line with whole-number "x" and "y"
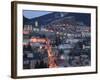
{"x": 41, "y": 65}
{"x": 57, "y": 40}
{"x": 37, "y": 65}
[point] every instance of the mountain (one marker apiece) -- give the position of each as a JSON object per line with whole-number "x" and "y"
{"x": 81, "y": 18}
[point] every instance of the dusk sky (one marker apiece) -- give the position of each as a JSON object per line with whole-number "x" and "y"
{"x": 32, "y": 14}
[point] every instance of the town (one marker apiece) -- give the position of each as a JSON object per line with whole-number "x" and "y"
{"x": 56, "y": 40}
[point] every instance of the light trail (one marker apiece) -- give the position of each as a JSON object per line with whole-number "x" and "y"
{"x": 51, "y": 58}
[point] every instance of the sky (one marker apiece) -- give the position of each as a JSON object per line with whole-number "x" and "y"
{"x": 32, "y": 14}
